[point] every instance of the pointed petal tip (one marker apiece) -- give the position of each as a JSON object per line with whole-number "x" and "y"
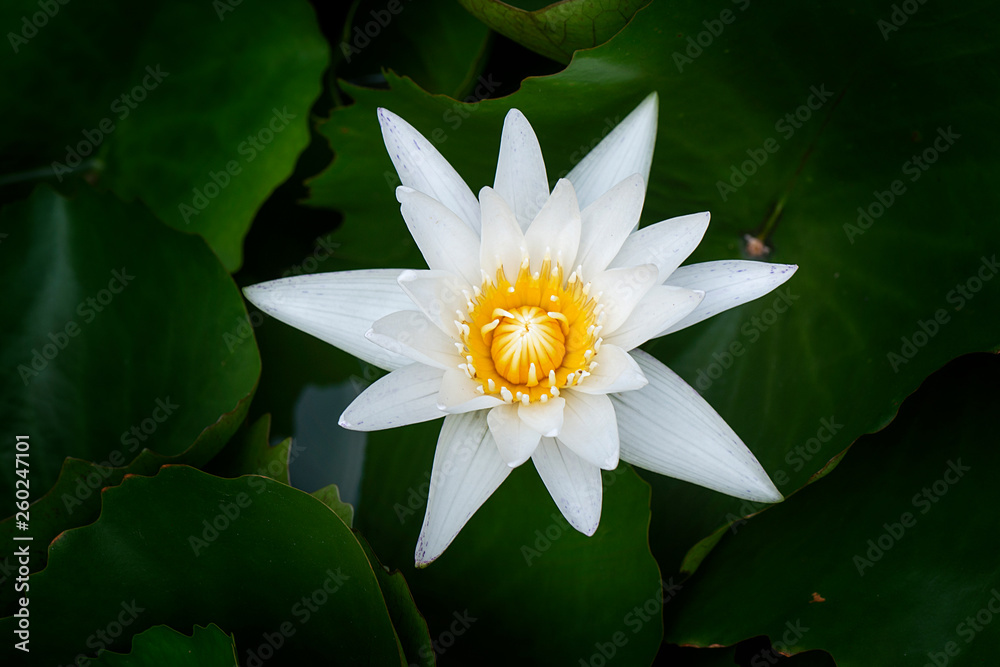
{"x": 385, "y": 117}
{"x": 650, "y": 105}
{"x": 420, "y": 556}
{"x": 761, "y": 497}
{"x": 513, "y": 114}
{"x": 768, "y": 493}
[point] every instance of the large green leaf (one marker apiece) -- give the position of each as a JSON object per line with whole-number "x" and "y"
{"x": 896, "y": 534}
{"x": 160, "y": 645}
{"x": 517, "y": 569}
{"x": 560, "y": 28}
{"x": 802, "y": 373}
{"x": 265, "y": 562}
{"x": 200, "y": 109}
{"x": 112, "y": 360}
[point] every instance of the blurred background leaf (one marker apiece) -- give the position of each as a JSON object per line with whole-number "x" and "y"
{"x": 558, "y": 29}
{"x": 440, "y": 47}
{"x": 199, "y": 109}
{"x": 111, "y": 359}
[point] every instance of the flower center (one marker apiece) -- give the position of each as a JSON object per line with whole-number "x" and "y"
{"x": 527, "y": 343}
{"x": 526, "y": 340}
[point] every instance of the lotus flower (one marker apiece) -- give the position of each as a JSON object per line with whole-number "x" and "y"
{"x": 524, "y": 331}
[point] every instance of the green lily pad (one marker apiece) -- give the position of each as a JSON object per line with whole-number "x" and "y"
{"x": 517, "y": 564}
{"x": 206, "y": 647}
{"x": 559, "y": 29}
{"x": 113, "y": 362}
{"x": 329, "y": 495}
{"x": 438, "y": 46}
{"x": 406, "y": 618}
{"x": 265, "y": 562}
{"x": 895, "y": 534}
{"x": 747, "y": 130}
{"x": 250, "y": 453}
{"x": 200, "y": 110}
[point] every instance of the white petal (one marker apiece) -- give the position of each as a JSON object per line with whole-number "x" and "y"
{"x": 440, "y": 295}
{"x": 458, "y": 394}
{"x": 404, "y": 396}
{"x": 467, "y": 470}
{"x": 590, "y": 429}
{"x": 521, "y": 179}
{"x": 669, "y": 429}
{"x": 574, "y": 484}
{"x": 616, "y": 371}
{"x": 726, "y": 284}
{"x": 411, "y": 334}
{"x": 515, "y": 439}
{"x": 337, "y": 308}
{"x": 627, "y": 150}
{"x": 607, "y": 222}
{"x": 661, "y": 307}
{"x": 546, "y": 418}
{"x": 620, "y": 291}
{"x": 666, "y": 244}
{"x": 556, "y": 228}
{"x": 445, "y": 241}
{"x": 503, "y": 241}
{"x": 421, "y": 167}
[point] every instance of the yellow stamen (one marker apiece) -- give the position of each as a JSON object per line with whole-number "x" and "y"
{"x": 526, "y": 338}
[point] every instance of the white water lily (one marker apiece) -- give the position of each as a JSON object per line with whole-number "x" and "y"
{"x": 524, "y": 331}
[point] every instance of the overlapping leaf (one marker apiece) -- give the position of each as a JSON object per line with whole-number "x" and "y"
{"x": 264, "y": 561}
{"x": 200, "y": 109}
{"x": 888, "y": 560}
{"x": 113, "y": 360}
{"x": 560, "y": 28}
{"x": 206, "y": 647}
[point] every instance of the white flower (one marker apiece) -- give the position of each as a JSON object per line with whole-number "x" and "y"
{"x": 524, "y": 332}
